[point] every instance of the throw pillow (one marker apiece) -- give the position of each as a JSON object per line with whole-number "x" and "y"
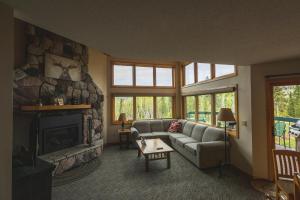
{"x": 175, "y": 127}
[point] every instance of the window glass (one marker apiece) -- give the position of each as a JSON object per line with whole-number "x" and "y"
{"x": 189, "y": 74}
{"x": 224, "y": 100}
{"x": 164, "y": 106}
{"x": 124, "y": 105}
{"x": 204, "y": 71}
{"x": 222, "y": 70}
{"x": 144, "y": 108}
{"x": 204, "y": 109}
{"x": 122, "y": 75}
{"x": 144, "y": 76}
{"x": 190, "y": 108}
{"x": 164, "y": 76}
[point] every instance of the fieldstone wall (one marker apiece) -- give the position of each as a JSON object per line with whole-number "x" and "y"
{"x": 31, "y": 87}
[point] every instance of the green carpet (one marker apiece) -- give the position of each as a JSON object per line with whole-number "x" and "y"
{"x": 76, "y": 173}
{"x": 122, "y": 175}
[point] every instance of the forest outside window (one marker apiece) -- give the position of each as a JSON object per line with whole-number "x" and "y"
{"x": 190, "y": 108}
{"x": 143, "y": 76}
{"x": 143, "y": 107}
{"x": 205, "y": 109}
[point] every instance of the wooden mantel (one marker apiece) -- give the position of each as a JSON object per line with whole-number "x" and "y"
{"x": 55, "y": 107}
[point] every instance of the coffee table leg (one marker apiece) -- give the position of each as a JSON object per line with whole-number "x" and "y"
{"x": 139, "y": 152}
{"x": 168, "y": 160}
{"x": 146, "y": 163}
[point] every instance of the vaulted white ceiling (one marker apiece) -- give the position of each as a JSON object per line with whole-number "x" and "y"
{"x": 216, "y": 31}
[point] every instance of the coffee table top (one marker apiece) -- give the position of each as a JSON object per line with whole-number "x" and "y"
{"x": 152, "y": 146}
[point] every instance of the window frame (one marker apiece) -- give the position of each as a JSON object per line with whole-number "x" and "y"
{"x": 116, "y": 122}
{"x": 134, "y": 65}
{"x": 212, "y": 71}
{"x": 234, "y": 132}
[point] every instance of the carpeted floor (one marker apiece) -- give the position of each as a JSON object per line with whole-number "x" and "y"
{"x": 121, "y": 176}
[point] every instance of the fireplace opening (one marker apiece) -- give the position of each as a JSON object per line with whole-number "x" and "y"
{"x": 59, "y": 132}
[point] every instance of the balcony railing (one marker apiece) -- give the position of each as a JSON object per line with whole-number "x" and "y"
{"x": 286, "y": 134}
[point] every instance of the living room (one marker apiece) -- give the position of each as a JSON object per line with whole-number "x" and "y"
{"x": 92, "y": 92}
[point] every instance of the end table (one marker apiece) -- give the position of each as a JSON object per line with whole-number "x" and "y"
{"x": 126, "y": 133}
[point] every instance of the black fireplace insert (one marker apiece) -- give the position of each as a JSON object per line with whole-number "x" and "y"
{"x": 57, "y": 132}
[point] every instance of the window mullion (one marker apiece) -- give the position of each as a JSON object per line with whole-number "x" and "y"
{"x": 154, "y": 107}
{"x": 195, "y": 73}
{"x": 134, "y": 75}
{"x": 134, "y": 107}
{"x": 213, "y": 109}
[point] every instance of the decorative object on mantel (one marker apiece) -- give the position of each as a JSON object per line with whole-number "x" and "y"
{"x": 62, "y": 68}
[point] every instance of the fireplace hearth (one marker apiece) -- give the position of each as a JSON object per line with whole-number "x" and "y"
{"x": 57, "y": 132}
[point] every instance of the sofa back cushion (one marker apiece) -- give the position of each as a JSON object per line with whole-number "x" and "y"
{"x": 213, "y": 134}
{"x": 156, "y": 125}
{"x": 183, "y": 122}
{"x": 143, "y": 126}
{"x": 167, "y": 123}
{"x": 198, "y": 132}
{"x": 188, "y": 128}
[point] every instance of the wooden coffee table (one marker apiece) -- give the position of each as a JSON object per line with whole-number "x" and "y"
{"x": 155, "y": 149}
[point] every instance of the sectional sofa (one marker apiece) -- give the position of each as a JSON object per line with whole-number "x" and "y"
{"x": 202, "y": 145}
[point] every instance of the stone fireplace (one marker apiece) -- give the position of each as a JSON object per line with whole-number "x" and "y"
{"x": 64, "y": 137}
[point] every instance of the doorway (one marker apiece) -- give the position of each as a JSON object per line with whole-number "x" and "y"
{"x": 283, "y": 115}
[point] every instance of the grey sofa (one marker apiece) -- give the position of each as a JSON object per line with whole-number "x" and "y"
{"x": 202, "y": 145}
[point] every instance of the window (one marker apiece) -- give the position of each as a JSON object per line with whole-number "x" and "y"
{"x": 207, "y": 107}
{"x": 204, "y": 109}
{"x": 190, "y": 108}
{"x": 224, "y": 100}
{"x": 123, "y": 105}
{"x": 164, "y": 107}
{"x": 144, "y": 76}
{"x": 122, "y": 75}
{"x": 222, "y": 70}
{"x": 164, "y": 76}
{"x": 144, "y": 108}
{"x": 204, "y": 71}
{"x": 189, "y": 74}
{"x": 198, "y": 72}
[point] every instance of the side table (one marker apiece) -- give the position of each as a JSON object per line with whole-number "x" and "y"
{"x": 124, "y": 133}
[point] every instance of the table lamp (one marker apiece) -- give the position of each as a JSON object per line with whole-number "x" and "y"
{"x": 122, "y": 119}
{"x": 225, "y": 115}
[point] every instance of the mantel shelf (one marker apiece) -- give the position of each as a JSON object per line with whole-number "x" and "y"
{"x": 55, "y": 107}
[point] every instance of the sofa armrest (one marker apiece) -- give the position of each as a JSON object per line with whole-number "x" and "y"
{"x": 211, "y": 146}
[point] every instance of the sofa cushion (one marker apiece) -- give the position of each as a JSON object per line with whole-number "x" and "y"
{"x": 184, "y": 140}
{"x": 161, "y": 134}
{"x": 166, "y": 123}
{"x": 198, "y": 132}
{"x": 156, "y": 125}
{"x": 191, "y": 147}
{"x": 142, "y": 126}
{"x": 183, "y": 122}
{"x": 188, "y": 128}
{"x": 174, "y": 136}
{"x": 146, "y": 135}
{"x": 213, "y": 134}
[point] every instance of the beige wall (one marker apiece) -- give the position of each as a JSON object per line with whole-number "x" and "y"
{"x": 241, "y": 151}
{"x": 97, "y": 67}
{"x": 6, "y": 71}
{"x": 258, "y": 98}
